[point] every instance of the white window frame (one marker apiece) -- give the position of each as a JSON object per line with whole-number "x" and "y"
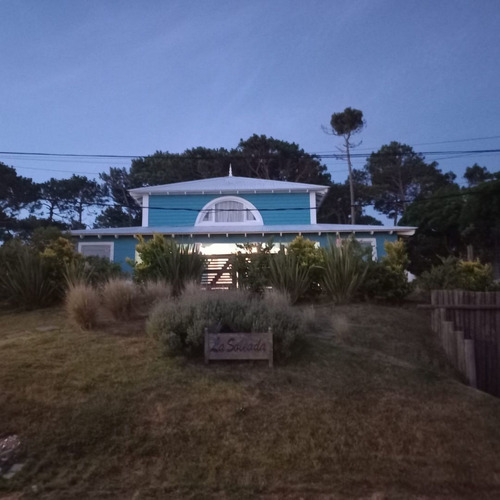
{"x": 210, "y": 208}
{"x": 373, "y": 243}
{"x": 109, "y": 244}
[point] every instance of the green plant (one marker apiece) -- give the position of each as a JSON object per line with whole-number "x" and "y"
{"x": 345, "y": 269}
{"x": 287, "y": 274}
{"x": 82, "y": 305}
{"x": 120, "y": 297}
{"x": 26, "y": 279}
{"x": 453, "y": 273}
{"x": 179, "y": 324}
{"x": 441, "y": 277}
{"x": 475, "y": 276}
{"x": 164, "y": 259}
{"x": 250, "y": 266}
{"x": 387, "y": 279}
{"x": 309, "y": 255}
{"x": 59, "y": 255}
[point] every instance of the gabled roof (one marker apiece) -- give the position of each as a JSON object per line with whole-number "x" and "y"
{"x": 229, "y": 185}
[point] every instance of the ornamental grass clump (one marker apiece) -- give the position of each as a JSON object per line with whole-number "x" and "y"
{"x": 345, "y": 267}
{"x": 153, "y": 291}
{"x": 288, "y": 275}
{"x": 82, "y": 305}
{"x": 179, "y": 324}
{"x": 120, "y": 297}
{"x": 26, "y": 280}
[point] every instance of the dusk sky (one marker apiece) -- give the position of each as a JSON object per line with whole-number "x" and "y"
{"x": 131, "y": 78}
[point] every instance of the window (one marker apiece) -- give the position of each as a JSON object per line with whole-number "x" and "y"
{"x": 369, "y": 243}
{"x": 229, "y": 210}
{"x": 104, "y": 249}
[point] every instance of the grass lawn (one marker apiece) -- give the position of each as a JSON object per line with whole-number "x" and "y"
{"x": 369, "y": 409}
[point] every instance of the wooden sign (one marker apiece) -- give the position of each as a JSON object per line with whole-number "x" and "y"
{"x": 239, "y": 346}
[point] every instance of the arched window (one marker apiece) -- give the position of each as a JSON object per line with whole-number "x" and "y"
{"x": 229, "y": 210}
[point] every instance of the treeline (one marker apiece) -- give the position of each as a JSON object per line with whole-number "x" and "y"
{"x": 396, "y": 180}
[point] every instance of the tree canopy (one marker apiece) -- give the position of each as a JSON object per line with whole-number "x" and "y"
{"x": 398, "y": 176}
{"x": 16, "y": 193}
{"x": 452, "y": 218}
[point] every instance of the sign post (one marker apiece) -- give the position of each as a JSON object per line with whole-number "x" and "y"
{"x": 238, "y": 346}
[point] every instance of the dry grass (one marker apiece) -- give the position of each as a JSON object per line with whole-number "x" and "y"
{"x": 82, "y": 305}
{"x": 120, "y": 297}
{"x": 153, "y": 292}
{"x": 370, "y": 410}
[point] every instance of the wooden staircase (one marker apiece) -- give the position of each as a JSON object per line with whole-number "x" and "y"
{"x": 217, "y": 272}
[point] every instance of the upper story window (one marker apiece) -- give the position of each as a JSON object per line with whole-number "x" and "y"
{"x": 229, "y": 210}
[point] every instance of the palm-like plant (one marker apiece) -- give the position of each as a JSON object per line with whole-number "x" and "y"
{"x": 344, "y": 270}
{"x": 289, "y": 275}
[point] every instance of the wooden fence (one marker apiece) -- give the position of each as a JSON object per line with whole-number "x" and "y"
{"x": 468, "y": 325}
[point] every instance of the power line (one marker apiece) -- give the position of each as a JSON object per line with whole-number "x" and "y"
{"x": 184, "y": 157}
{"x": 430, "y": 143}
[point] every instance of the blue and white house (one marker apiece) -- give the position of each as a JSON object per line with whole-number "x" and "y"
{"x": 217, "y": 214}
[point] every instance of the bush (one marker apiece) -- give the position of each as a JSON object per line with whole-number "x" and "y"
{"x": 387, "y": 279}
{"x": 250, "y": 266}
{"x": 179, "y": 324}
{"x": 82, "y": 305}
{"x": 309, "y": 255}
{"x": 120, "y": 297}
{"x": 345, "y": 267}
{"x": 90, "y": 270}
{"x": 26, "y": 279}
{"x": 163, "y": 259}
{"x": 453, "y": 273}
{"x": 385, "y": 283}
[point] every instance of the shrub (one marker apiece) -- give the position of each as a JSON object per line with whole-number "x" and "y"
{"x": 82, "y": 305}
{"x": 250, "y": 266}
{"x": 309, "y": 255}
{"x": 179, "y": 324}
{"x": 475, "y": 276}
{"x": 453, "y": 273}
{"x": 102, "y": 269}
{"x": 345, "y": 269}
{"x": 386, "y": 283}
{"x": 26, "y": 279}
{"x": 119, "y": 297}
{"x": 388, "y": 279}
{"x": 164, "y": 259}
{"x": 90, "y": 270}
{"x": 288, "y": 275}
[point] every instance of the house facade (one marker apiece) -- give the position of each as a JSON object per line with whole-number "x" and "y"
{"x": 217, "y": 214}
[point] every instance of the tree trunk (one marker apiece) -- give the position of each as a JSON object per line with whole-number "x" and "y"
{"x": 351, "y": 182}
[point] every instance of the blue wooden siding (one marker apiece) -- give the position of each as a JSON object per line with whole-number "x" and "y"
{"x": 295, "y": 207}
{"x": 169, "y": 210}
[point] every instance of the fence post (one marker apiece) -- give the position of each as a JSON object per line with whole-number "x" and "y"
{"x": 470, "y": 362}
{"x": 460, "y": 352}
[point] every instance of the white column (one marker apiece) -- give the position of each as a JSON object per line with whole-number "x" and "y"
{"x": 145, "y": 210}
{"x": 312, "y": 204}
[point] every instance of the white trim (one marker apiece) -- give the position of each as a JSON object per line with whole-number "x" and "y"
{"x": 246, "y": 204}
{"x": 312, "y": 204}
{"x": 111, "y": 245}
{"x": 373, "y": 243}
{"x": 145, "y": 210}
